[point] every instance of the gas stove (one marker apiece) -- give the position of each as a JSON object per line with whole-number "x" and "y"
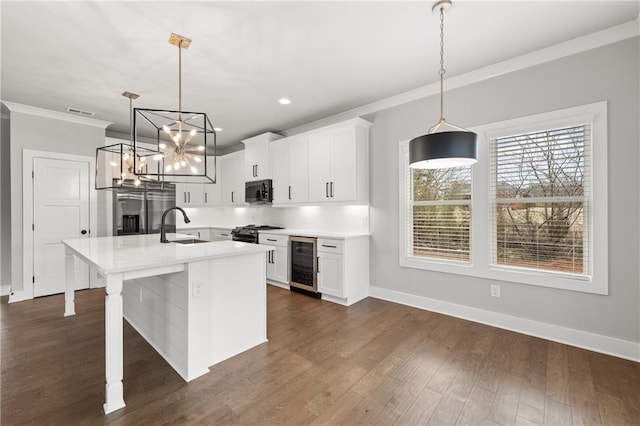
{"x": 249, "y": 233}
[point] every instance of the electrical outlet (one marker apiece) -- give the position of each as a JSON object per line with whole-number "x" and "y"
{"x": 197, "y": 289}
{"x": 495, "y": 290}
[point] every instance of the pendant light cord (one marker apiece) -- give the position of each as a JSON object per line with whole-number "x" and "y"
{"x": 131, "y": 121}
{"x": 180, "y": 81}
{"x": 442, "y": 70}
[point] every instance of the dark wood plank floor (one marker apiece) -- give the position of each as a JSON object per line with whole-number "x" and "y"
{"x": 372, "y": 363}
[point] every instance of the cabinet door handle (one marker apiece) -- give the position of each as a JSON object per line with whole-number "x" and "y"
{"x": 331, "y": 189}
{"x": 256, "y": 170}
{"x": 289, "y": 191}
{"x": 189, "y": 195}
{"x": 232, "y": 196}
{"x": 273, "y": 255}
{"x": 325, "y": 245}
{"x": 318, "y": 264}
{"x": 185, "y": 196}
{"x": 205, "y": 197}
{"x": 326, "y": 189}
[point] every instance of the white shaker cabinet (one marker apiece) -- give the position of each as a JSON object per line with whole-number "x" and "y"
{"x": 212, "y": 192}
{"x": 289, "y": 161}
{"x": 220, "y": 234}
{"x": 232, "y": 178}
{"x": 189, "y": 194}
{"x": 343, "y": 269}
{"x": 339, "y": 163}
{"x": 200, "y": 194}
{"x": 277, "y": 259}
{"x": 257, "y": 162}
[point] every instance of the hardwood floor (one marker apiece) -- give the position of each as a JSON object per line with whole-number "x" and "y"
{"x": 372, "y": 363}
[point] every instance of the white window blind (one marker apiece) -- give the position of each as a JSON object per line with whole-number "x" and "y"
{"x": 438, "y": 213}
{"x": 540, "y": 189}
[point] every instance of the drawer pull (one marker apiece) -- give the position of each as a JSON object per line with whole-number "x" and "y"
{"x": 325, "y": 245}
{"x": 271, "y": 239}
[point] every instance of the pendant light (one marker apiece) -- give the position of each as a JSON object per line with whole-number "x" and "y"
{"x": 116, "y": 165}
{"x": 185, "y": 141}
{"x": 444, "y": 145}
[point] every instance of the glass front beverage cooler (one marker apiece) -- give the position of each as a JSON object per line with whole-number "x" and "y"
{"x": 304, "y": 265}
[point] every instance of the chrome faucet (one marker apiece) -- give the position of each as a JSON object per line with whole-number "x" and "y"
{"x": 163, "y": 232}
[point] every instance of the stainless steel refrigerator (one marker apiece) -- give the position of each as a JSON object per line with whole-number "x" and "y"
{"x": 139, "y": 210}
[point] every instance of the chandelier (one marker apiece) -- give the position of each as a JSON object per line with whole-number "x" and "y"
{"x": 185, "y": 141}
{"x": 116, "y": 165}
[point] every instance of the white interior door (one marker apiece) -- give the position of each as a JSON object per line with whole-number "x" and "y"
{"x": 60, "y": 210}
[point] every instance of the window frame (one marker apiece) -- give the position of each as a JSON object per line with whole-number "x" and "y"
{"x": 480, "y": 234}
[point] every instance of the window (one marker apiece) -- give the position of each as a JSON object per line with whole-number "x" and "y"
{"x": 439, "y": 218}
{"x": 532, "y": 210}
{"x": 540, "y": 191}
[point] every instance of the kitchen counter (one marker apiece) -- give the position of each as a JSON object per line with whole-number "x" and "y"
{"x": 132, "y": 252}
{"x": 196, "y": 304}
{"x": 317, "y": 234}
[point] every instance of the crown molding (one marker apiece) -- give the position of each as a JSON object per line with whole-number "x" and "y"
{"x": 578, "y": 45}
{"x": 56, "y": 115}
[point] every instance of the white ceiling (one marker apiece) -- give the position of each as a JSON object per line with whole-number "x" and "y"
{"x": 328, "y": 57}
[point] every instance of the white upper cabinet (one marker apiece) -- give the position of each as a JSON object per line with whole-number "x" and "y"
{"x": 257, "y": 163}
{"x": 232, "y": 178}
{"x": 289, "y": 161}
{"x": 339, "y": 163}
{"x": 213, "y": 191}
{"x": 200, "y": 194}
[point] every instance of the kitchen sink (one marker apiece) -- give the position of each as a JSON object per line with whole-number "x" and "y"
{"x": 190, "y": 241}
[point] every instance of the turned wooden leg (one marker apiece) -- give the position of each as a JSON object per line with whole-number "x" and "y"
{"x": 69, "y": 294}
{"x": 113, "y": 343}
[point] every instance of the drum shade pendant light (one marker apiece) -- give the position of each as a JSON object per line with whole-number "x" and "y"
{"x": 444, "y": 145}
{"x": 186, "y": 141}
{"x": 116, "y": 164}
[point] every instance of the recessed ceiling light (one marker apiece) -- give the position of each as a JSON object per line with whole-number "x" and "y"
{"x": 284, "y": 101}
{"x": 217, "y": 129}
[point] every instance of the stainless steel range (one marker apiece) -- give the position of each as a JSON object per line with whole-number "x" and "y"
{"x": 250, "y": 233}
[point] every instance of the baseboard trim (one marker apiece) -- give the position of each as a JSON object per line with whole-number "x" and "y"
{"x": 582, "y": 339}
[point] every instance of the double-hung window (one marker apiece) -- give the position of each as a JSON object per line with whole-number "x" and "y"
{"x": 540, "y": 186}
{"x": 438, "y": 217}
{"x": 532, "y": 210}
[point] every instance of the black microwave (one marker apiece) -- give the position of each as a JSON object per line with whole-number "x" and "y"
{"x": 259, "y": 191}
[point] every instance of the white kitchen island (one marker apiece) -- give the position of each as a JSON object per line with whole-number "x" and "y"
{"x": 196, "y": 304}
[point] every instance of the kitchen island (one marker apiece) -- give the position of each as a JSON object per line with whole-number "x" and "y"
{"x": 196, "y": 304}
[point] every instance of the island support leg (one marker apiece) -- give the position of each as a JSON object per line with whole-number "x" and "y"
{"x": 69, "y": 294}
{"x": 113, "y": 344}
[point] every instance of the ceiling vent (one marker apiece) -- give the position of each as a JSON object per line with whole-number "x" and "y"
{"x": 78, "y": 111}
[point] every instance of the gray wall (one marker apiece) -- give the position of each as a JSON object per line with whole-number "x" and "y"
{"x": 44, "y": 134}
{"x": 5, "y": 201}
{"x": 609, "y": 73}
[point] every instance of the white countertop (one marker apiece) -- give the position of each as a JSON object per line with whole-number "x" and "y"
{"x": 135, "y": 252}
{"x": 317, "y": 234}
{"x": 189, "y": 227}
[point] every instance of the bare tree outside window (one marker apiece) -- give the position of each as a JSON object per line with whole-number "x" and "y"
{"x": 441, "y": 213}
{"x": 541, "y": 212}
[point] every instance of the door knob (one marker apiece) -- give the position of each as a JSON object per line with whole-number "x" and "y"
{"x": 84, "y": 231}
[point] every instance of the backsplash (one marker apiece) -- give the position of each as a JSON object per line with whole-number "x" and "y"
{"x": 353, "y": 218}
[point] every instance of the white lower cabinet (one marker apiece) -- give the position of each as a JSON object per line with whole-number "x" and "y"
{"x": 220, "y": 234}
{"x": 277, "y": 259}
{"x": 343, "y": 269}
{"x": 330, "y": 274}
